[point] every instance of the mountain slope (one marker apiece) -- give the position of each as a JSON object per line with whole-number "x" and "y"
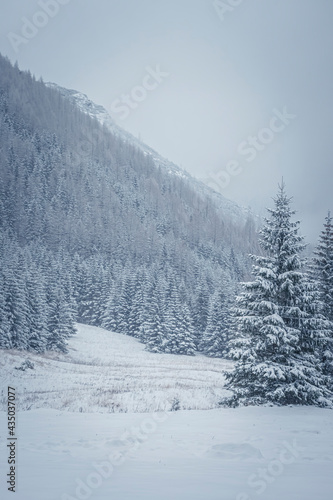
{"x": 98, "y": 112}
{"x": 113, "y": 234}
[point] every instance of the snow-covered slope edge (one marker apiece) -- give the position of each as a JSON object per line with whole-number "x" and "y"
{"x": 98, "y": 112}
{"x": 110, "y": 372}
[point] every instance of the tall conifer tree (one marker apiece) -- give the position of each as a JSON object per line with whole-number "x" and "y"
{"x": 280, "y": 326}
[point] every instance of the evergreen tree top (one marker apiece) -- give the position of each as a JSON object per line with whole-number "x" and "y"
{"x": 279, "y": 236}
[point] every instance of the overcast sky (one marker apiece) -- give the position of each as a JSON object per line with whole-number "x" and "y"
{"x": 239, "y": 94}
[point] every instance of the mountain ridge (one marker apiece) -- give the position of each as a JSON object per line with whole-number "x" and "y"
{"x": 97, "y": 111}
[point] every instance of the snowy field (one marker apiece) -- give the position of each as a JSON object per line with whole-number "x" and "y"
{"x": 85, "y": 438}
{"x": 110, "y": 372}
{"x": 237, "y": 454}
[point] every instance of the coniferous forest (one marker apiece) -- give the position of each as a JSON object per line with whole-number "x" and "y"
{"x": 94, "y": 230}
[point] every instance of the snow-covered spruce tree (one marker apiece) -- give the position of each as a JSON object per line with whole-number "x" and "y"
{"x": 60, "y": 324}
{"x": 152, "y": 331}
{"x": 187, "y": 345}
{"x": 138, "y": 313}
{"x": 60, "y": 315}
{"x": 125, "y": 302}
{"x": 322, "y": 275}
{"x": 215, "y": 339}
{"x": 17, "y": 312}
{"x": 178, "y": 326}
{"x": 92, "y": 297}
{"x": 79, "y": 276}
{"x": 37, "y": 309}
{"x": 5, "y": 341}
{"x": 200, "y": 313}
{"x": 280, "y": 327}
{"x": 109, "y": 317}
{"x": 323, "y": 267}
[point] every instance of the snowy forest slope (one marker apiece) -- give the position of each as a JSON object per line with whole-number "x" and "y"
{"x": 228, "y": 207}
{"x": 102, "y": 227}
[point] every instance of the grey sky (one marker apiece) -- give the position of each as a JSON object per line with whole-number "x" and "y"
{"x": 225, "y": 78}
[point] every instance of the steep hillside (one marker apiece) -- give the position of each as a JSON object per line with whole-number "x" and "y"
{"x": 227, "y": 207}
{"x": 112, "y": 234}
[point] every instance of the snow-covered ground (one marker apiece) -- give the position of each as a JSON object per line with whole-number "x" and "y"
{"x": 100, "y": 453}
{"x": 226, "y": 454}
{"x": 110, "y": 372}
